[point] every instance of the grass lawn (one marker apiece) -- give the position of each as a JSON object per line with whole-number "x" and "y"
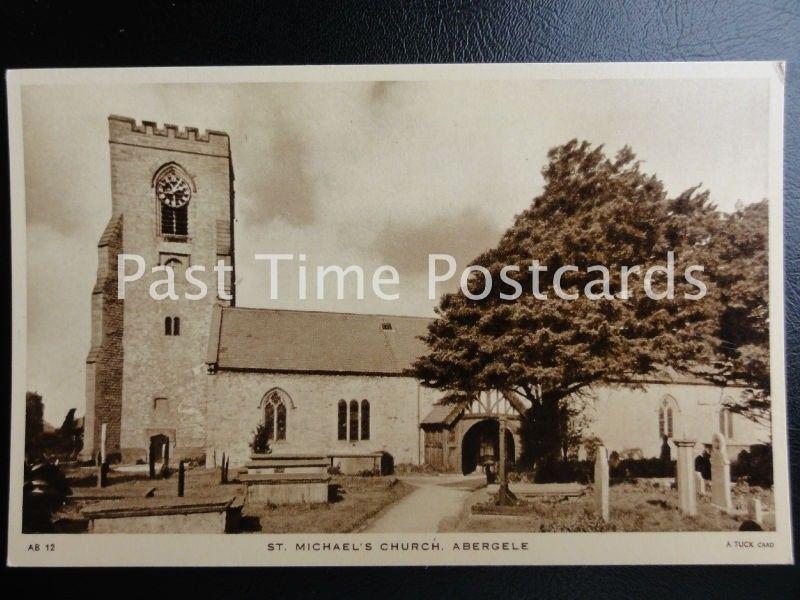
{"x": 355, "y": 500}
{"x": 634, "y": 507}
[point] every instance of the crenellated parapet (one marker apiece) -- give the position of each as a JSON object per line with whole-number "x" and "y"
{"x": 125, "y": 130}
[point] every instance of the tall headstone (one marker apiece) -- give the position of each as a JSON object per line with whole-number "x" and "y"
{"x": 720, "y": 473}
{"x": 684, "y": 476}
{"x": 103, "y": 437}
{"x": 601, "y": 482}
{"x": 754, "y": 511}
{"x": 165, "y": 454}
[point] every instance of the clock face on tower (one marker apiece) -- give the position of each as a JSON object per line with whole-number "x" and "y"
{"x": 173, "y": 191}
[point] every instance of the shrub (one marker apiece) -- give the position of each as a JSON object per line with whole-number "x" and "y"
{"x": 563, "y": 472}
{"x": 582, "y": 471}
{"x": 260, "y": 443}
{"x": 44, "y": 491}
{"x": 754, "y": 466}
{"x": 369, "y": 473}
{"x": 411, "y": 469}
{"x": 630, "y": 468}
{"x": 574, "y": 523}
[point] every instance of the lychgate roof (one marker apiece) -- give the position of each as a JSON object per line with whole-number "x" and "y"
{"x": 321, "y": 342}
{"x": 442, "y": 414}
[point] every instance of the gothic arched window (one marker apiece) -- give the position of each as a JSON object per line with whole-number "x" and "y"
{"x": 341, "y": 420}
{"x": 274, "y": 405}
{"x": 726, "y": 423}
{"x": 173, "y": 191}
{"x": 364, "y": 420}
{"x": 666, "y": 417}
{"x": 353, "y": 420}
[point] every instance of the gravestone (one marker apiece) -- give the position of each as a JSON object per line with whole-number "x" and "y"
{"x": 103, "y": 437}
{"x": 685, "y": 478}
{"x": 720, "y": 473}
{"x": 754, "y": 510}
{"x": 700, "y": 483}
{"x": 181, "y": 479}
{"x": 601, "y": 482}
{"x": 165, "y": 454}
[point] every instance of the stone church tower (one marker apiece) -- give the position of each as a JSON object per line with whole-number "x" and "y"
{"x": 172, "y": 204}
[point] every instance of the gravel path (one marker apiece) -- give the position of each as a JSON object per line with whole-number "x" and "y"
{"x": 424, "y": 508}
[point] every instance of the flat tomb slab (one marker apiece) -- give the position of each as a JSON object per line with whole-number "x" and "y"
{"x": 165, "y": 515}
{"x": 288, "y": 466}
{"x": 285, "y": 488}
{"x": 351, "y": 463}
{"x": 541, "y": 489}
{"x": 277, "y": 458}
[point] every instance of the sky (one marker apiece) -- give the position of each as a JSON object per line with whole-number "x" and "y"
{"x": 366, "y": 173}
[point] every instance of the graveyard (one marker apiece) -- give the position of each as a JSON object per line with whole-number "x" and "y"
{"x": 133, "y": 494}
{"x": 687, "y": 502}
{"x": 644, "y": 505}
{"x": 306, "y": 493}
{"x": 215, "y": 500}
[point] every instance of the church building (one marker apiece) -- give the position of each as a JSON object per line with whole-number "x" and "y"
{"x": 195, "y": 378}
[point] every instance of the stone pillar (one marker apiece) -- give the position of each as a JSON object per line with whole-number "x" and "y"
{"x": 720, "y": 473}
{"x": 684, "y": 476}
{"x": 505, "y": 497}
{"x": 601, "y": 482}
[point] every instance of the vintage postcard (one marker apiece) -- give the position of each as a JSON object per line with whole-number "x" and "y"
{"x": 398, "y": 315}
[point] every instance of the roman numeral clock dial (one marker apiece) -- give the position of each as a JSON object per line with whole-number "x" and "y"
{"x": 173, "y": 191}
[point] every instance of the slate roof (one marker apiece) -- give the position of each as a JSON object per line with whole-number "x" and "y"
{"x": 259, "y": 339}
{"x": 442, "y": 414}
{"x": 319, "y": 342}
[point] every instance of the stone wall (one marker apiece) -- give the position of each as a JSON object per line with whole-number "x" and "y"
{"x": 627, "y": 418}
{"x": 397, "y": 404}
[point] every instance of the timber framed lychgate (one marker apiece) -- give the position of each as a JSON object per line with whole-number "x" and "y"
{"x": 464, "y": 437}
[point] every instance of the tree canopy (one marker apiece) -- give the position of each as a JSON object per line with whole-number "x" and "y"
{"x": 596, "y": 210}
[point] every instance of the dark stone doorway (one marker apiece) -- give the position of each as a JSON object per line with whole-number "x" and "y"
{"x": 480, "y": 444}
{"x": 159, "y": 448}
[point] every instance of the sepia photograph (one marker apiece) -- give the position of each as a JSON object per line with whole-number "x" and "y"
{"x": 399, "y": 315}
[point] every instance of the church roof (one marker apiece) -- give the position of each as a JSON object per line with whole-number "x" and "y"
{"x": 442, "y": 414}
{"x": 256, "y": 339}
{"x": 261, "y": 339}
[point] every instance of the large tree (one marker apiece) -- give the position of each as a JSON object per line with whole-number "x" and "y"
{"x": 593, "y": 210}
{"x": 739, "y": 268}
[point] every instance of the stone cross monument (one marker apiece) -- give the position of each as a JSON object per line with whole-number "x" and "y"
{"x": 601, "y": 482}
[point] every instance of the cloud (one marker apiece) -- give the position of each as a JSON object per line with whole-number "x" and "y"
{"x": 406, "y": 245}
{"x": 278, "y": 183}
